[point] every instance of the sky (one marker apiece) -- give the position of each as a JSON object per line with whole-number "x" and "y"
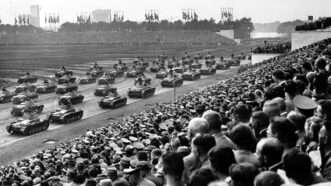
{"x": 261, "y": 11}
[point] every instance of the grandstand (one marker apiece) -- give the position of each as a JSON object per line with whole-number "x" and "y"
{"x": 309, "y": 33}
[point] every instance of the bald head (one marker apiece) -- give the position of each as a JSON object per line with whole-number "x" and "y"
{"x": 269, "y": 150}
{"x": 214, "y": 120}
{"x": 197, "y": 126}
{"x": 271, "y": 108}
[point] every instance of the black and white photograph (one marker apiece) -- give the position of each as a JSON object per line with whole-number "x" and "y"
{"x": 165, "y": 93}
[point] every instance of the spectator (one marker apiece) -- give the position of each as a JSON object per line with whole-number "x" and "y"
{"x": 215, "y": 126}
{"x": 284, "y": 131}
{"x": 298, "y": 167}
{"x": 199, "y": 155}
{"x": 243, "y": 174}
{"x": 321, "y": 79}
{"x": 269, "y": 151}
{"x": 305, "y": 105}
{"x": 268, "y": 178}
{"x": 220, "y": 160}
{"x": 260, "y": 123}
{"x": 242, "y": 114}
{"x": 245, "y": 140}
{"x": 272, "y": 109}
{"x": 197, "y": 126}
{"x": 173, "y": 167}
{"x": 202, "y": 177}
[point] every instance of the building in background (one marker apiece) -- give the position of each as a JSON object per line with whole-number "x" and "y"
{"x": 35, "y": 15}
{"x": 101, "y": 15}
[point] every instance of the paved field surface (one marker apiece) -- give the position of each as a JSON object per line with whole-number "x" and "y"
{"x": 15, "y": 147}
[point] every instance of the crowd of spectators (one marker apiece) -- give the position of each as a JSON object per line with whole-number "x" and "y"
{"x": 273, "y": 48}
{"x": 267, "y": 126}
{"x": 321, "y": 23}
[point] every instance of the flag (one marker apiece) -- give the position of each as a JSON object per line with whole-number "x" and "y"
{"x": 58, "y": 19}
{"x": 89, "y": 20}
{"x": 15, "y": 20}
{"x": 195, "y": 16}
{"x": 184, "y": 16}
{"x": 45, "y": 19}
{"x": 19, "y": 19}
{"x": 23, "y": 20}
{"x": 156, "y": 16}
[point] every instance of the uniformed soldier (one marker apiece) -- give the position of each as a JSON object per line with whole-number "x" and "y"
{"x": 29, "y": 104}
{"x": 73, "y": 93}
{"x": 66, "y": 104}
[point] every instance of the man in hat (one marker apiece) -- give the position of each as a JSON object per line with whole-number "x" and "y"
{"x": 305, "y": 105}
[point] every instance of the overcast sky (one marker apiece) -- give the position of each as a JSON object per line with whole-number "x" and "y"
{"x": 258, "y": 10}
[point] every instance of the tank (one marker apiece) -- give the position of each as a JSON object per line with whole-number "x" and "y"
{"x": 27, "y": 127}
{"x": 222, "y": 66}
{"x": 172, "y": 82}
{"x": 155, "y": 68}
{"x": 27, "y": 79}
{"x": 95, "y": 73}
{"x": 191, "y": 76}
{"x": 106, "y": 80}
{"x": 179, "y": 70}
{"x": 141, "y": 92}
{"x": 196, "y": 65}
{"x": 161, "y": 75}
{"x": 207, "y": 71}
{"x": 65, "y": 80}
{"x": 132, "y": 74}
{"x": 104, "y": 90}
{"x": 46, "y": 88}
{"x": 63, "y": 116}
{"x": 113, "y": 73}
{"x": 61, "y": 73}
{"x": 19, "y": 110}
{"x": 6, "y": 98}
{"x": 63, "y": 89}
{"x": 210, "y": 62}
{"x": 24, "y": 87}
{"x": 77, "y": 99}
{"x": 187, "y": 61}
{"x": 18, "y": 99}
{"x": 87, "y": 80}
{"x": 112, "y": 102}
{"x": 209, "y": 56}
